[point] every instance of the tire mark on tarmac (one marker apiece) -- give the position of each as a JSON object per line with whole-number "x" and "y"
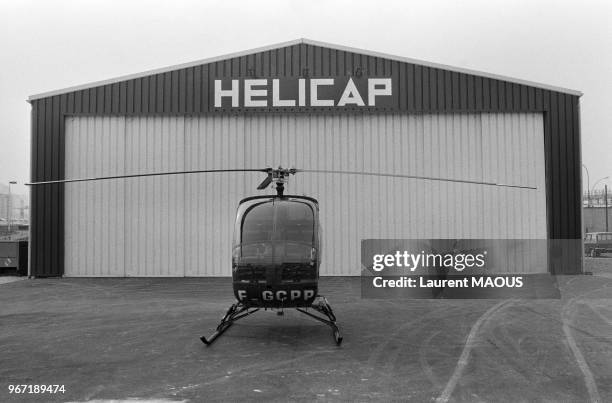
{"x": 597, "y": 312}
{"x": 465, "y": 355}
{"x": 387, "y": 375}
{"x": 427, "y": 369}
{"x": 380, "y": 347}
{"x": 567, "y": 315}
{"x": 246, "y": 370}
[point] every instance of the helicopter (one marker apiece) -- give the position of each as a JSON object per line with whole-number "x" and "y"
{"x": 276, "y": 256}
{"x": 276, "y": 251}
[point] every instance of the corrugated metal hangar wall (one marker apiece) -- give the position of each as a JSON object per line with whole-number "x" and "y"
{"x": 182, "y": 225}
{"x": 507, "y": 131}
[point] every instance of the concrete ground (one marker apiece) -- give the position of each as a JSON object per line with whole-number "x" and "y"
{"x": 139, "y": 339}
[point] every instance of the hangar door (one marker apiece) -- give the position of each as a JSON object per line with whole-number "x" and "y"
{"x": 182, "y": 225}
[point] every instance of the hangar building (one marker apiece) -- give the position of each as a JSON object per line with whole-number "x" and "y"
{"x": 308, "y": 105}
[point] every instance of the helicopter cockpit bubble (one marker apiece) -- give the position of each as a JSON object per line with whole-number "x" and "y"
{"x": 275, "y": 252}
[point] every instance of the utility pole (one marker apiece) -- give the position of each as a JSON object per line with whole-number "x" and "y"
{"x": 606, "y": 201}
{"x": 588, "y": 186}
{"x": 10, "y": 206}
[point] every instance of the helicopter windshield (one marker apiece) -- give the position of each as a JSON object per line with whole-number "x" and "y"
{"x": 290, "y": 221}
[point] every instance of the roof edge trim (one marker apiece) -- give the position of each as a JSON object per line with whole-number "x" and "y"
{"x": 297, "y": 42}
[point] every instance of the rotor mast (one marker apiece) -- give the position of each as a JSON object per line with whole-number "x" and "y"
{"x": 279, "y": 176}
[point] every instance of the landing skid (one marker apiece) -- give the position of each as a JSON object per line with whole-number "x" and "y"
{"x": 238, "y": 311}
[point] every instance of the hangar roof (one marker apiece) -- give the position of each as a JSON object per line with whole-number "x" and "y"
{"x": 307, "y": 42}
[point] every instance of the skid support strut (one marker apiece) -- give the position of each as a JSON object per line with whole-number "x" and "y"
{"x": 235, "y": 312}
{"x": 322, "y": 306}
{"x": 238, "y": 311}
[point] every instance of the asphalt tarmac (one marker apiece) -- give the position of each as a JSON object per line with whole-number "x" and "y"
{"x": 138, "y": 339}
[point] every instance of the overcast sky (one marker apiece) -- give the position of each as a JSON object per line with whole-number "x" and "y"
{"x": 48, "y": 45}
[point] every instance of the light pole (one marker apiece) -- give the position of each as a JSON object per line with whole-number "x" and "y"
{"x": 599, "y": 180}
{"x": 588, "y": 186}
{"x": 10, "y": 206}
{"x": 606, "y": 201}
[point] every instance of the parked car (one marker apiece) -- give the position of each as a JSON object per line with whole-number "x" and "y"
{"x": 596, "y": 243}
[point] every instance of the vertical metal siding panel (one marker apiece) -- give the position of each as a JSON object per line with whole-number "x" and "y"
{"x": 168, "y": 96}
{"x": 77, "y": 102}
{"x": 471, "y": 95}
{"x": 93, "y": 100}
{"x": 157, "y": 88}
{"x": 510, "y": 96}
{"x": 456, "y": 91}
{"x": 556, "y": 163}
{"x": 463, "y": 91}
{"x": 34, "y": 192}
{"x": 567, "y": 173}
{"x": 310, "y": 60}
{"x": 574, "y": 185}
{"x": 197, "y": 89}
{"x": 137, "y": 98}
{"x": 433, "y": 89}
{"x": 46, "y": 191}
{"x": 494, "y": 90}
{"x": 115, "y": 98}
{"x": 118, "y": 236}
{"x": 478, "y": 97}
{"x": 205, "y": 77}
{"x": 538, "y": 99}
{"x": 516, "y": 97}
{"x": 107, "y": 96}
{"x": 418, "y": 88}
{"x": 295, "y": 58}
{"x": 71, "y": 194}
{"x": 181, "y": 91}
{"x": 441, "y": 105}
{"x": 403, "y": 89}
{"x": 165, "y": 189}
{"x": 149, "y": 94}
{"x": 488, "y": 159}
{"x": 132, "y": 188}
{"x": 180, "y": 202}
{"x": 189, "y": 88}
{"x": 188, "y": 215}
{"x": 411, "y": 88}
{"x": 501, "y": 96}
{"x": 235, "y": 67}
{"x": 575, "y": 130}
{"x": 448, "y": 90}
{"x": 539, "y": 132}
{"x": 70, "y": 205}
{"x": 486, "y": 94}
{"x": 425, "y": 88}
{"x": 146, "y": 97}
{"x": 524, "y": 97}
{"x": 96, "y": 205}
{"x": 81, "y": 104}
{"x": 129, "y": 185}
{"x": 129, "y": 96}
{"x": 59, "y": 234}
{"x": 105, "y": 197}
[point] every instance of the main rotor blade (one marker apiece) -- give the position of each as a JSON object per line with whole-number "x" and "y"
{"x": 430, "y": 178}
{"x": 145, "y": 175}
{"x": 266, "y": 182}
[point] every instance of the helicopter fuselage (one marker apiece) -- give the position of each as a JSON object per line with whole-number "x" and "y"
{"x": 276, "y": 251}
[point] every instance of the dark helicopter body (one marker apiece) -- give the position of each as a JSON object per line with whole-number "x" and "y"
{"x": 276, "y": 251}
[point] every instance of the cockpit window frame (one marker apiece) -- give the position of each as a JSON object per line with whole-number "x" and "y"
{"x": 244, "y": 214}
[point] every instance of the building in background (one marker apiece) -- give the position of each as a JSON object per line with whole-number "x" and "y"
{"x": 18, "y": 205}
{"x": 308, "y": 105}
